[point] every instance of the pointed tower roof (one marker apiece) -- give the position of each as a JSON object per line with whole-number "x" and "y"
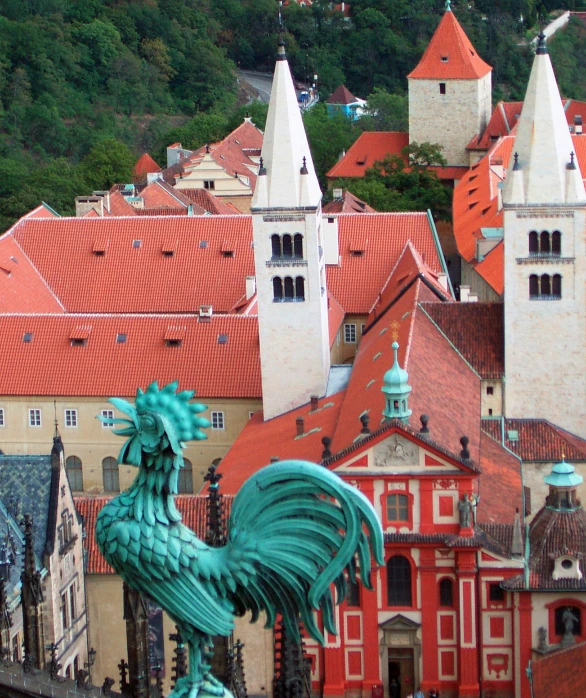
{"x": 284, "y": 148}
{"x": 450, "y": 55}
{"x": 341, "y": 95}
{"x": 543, "y": 150}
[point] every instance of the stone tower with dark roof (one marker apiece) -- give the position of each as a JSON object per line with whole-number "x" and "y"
{"x": 450, "y": 92}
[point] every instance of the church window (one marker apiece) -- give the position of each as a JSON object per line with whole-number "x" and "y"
{"x": 185, "y": 478}
{"x": 287, "y": 246}
{"x": 446, "y": 592}
{"x": 352, "y": 593}
{"x": 399, "y": 591}
{"x": 289, "y": 289}
{"x": 110, "y": 475}
{"x": 299, "y": 288}
{"x": 442, "y": 88}
{"x": 276, "y": 245}
{"x": 556, "y": 286}
{"x": 556, "y": 243}
{"x": 562, "y": 617}
{"x": 277, "y": 289}
{"x": 533, "y": 242}
{"x": 544, "y": 246}
{"x": 350, "y": 334}
{"x": 74, "y": 473}
{"x": 496, "y": 593}
{"x": 533, "y": 286}
{"x": 298, "y": 246}
{"x": 545, "y": 288}
{"x": 397, "y": 507}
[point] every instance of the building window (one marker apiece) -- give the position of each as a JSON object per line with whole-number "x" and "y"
{"x": 299, "y": 288}
{"x": 107, "y": 417}
{"x": 563, "y": 616}
{"x": 277, "y": 289}
{"x": 397, "y": 507}
{"x": 288, "y": 289}
{"x": 556, "y": 243}
{"x": 352, "y": 593}
{"x": 276, "y": 246}
{"x": 446, "y": 592}
{"x": 399, "y": 581}
{"x": 533, "y": 242}
{"x": 544, "y": 246}
{"x": 298, "y": 246}
{"x": 442, "y": 88}
{"x": 2, "y": 422}
{"x": 218, "y": 420}
{"x": 74, "y": 473}
{"x": 350, "y": 334}
{"x": 34, "y": 418}
{"x": 70, "y": 418}
{"x": 64, "y": 613}
{"x": 545, "y": 243}
{"x": 15, "y": 649}
{"x": 185, "y": 478}
{"x": 209, "y": 184}
{"x": 72, "y": 602}
{"x": 110, "y": 474}
{"x": 287, "y": 246}
{"x": 496, "y": 594}
{"x": 545, "y": 287}
{"x": 489, "y": 390}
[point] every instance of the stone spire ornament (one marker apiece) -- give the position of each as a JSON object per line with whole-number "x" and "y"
{"x": 396, "y": 389}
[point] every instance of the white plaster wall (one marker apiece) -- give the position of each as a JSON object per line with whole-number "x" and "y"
{"x": 492, "y": 402}
{"x": 545, "y": 340}
{"x": 451, "y": 119}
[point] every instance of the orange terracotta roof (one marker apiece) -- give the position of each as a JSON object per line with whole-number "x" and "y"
{"x": 163, "y": 211}
{"x": 347, "y": 204}
{"x": 501, "y": 486}
{"x": 133, "y": 275}
{"x": 159, "y": 194}
{"x": 105, "y": 366}
{"x": 42, "y": 211}
{"x": 558, "y": 673}
{"x": 193, "y": 509}
{"x": 450, "y": 55}
{"x": 92, "y": 213}
{"x": 335, "y": 318}
{"x": 119, "y": 206}
{"x": 492, "y": 268}
{"x": 144, "y": 165}
{"x": 358, "y": 279}
{"x": 341, "y": 95}
{"x": 22, "y": 288}
{"x": 451, "y": 172}
{"x": 208, "y": 202}
{"x": 366, "y": 150}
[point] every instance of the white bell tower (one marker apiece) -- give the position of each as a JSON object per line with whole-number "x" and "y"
{"x": 289, "y": 257}
{"x": 545, "y": 262}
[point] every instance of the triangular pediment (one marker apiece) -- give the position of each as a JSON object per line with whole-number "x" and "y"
{"x": 399, "y": 623}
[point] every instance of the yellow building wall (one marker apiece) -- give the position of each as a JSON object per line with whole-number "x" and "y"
{"x": 343, "y": 352}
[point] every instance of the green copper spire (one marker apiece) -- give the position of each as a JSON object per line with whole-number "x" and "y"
{"x": 562, "y": 483}
{"x": 396, "y": 389}
{"x": 448, "y": 6}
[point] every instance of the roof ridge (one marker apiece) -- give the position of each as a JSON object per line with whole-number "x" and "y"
{"x": 41, "y": 277}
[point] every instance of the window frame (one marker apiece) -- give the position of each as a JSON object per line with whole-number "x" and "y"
{"x": 412, "y": 588}
{"x": 2, "y": 417}
{"x": 78, "y": 471}
{"x": 393, "y": 489}
{"x": 185, "y": 478}
{"x": 400, "y": 504}
{"x": 442, "y": 88}
{"x": 113, "y": 474}
{"x": 219, "y": 417}
{"x": 33, "y": 414}
{"x": 349, "y": 332}
{"x": 70, "y": 418}
{"x": 439, "y": 593}
{"x": 107, "y": 414}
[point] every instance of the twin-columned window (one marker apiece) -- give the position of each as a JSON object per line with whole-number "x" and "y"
{"x": 545, "y": 243}
{"x": 287, "y": 246}
{"x": 545, "y": 287}
{"x": 289, "y": 289}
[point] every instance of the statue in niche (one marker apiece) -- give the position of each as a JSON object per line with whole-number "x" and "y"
{"x": 465, "y": 507}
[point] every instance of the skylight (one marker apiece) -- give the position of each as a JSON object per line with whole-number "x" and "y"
{"x": 27, "y": 337}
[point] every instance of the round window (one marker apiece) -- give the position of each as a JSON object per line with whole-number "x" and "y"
{"x": 567, "y": 564}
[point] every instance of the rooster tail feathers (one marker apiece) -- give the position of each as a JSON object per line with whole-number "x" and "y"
{"x": 302, "y": 529}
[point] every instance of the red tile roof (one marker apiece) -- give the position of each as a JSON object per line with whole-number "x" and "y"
{"x": 42, "y": 211}
{"x": 335, "y": 317}
{"x": 501, "y": 487}
{"x": 164, "y": 211}
{"x": 159, "y": 194}
{"x": 370, "y": 147}
{"x": 22, "y": 288}
{"x": 144, "y": 165}
{"x": 140, "y": 279}
{"x": 119, "y": 206}
{"x": 476, "y": 330}
{"x": 356, "y": 282}
{"x": 341, "y": 95}
{"x": 208, "y": 202}
{"x": 347, "y": 204}
{"x": 558, "y": 674}
{"x": 491, "y": 269}
{"x": 193, "y": 509}
{"x": 450, "y": 42}
{"x": 537, "y": 440}
{"x": 104, "y": 366}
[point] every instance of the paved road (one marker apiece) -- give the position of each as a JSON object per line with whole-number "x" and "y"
{"x": 262, "y": 83}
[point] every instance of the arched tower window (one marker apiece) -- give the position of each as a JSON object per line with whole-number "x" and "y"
{"x": 299, "y": 288}
{"x": 556, "y": 286}
{"x": 110, "y": 475}
{"x": 287, "y": 246}
{"x": 556, "y": 243}
{"x": 289, "y": 290}
{"x": 298, "y": 246}
{"x": 74, "y": 473}
{"x": 446, "y": 592}
{"x": 533, "y": 286}
{"x": 544, "y": 246}
{"x": 533, "y": 242}
{"x": 276, "y": 245}
{"x": 545, "y": 285}
{"x": 399, "y": 581}
{"x": 185, "y": 478}
{"x": 277, "y": 289}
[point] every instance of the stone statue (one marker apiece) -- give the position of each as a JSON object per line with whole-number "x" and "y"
{"x": 542, "y": 639}
{"x": 568, "y": 620}
{"x": 295, "y": 529}
{"x": 465, "y": 506}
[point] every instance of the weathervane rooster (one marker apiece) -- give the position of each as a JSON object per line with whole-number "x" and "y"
{"x": 295, "y": 529}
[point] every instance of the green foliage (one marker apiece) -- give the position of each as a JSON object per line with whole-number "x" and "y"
{"x": 386, "y": 112}
{"x": 568, "y": 55}
{"x": 108, "y": 162}
{"x": 402, "y": 183}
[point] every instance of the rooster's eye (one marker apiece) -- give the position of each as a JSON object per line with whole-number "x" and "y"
{"x": 148, "y": 421}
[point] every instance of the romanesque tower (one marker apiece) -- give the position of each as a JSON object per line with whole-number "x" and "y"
{"x": 449, "y": 92}
{"x": 545, "y": 261}
{"x": 289, "y": 258}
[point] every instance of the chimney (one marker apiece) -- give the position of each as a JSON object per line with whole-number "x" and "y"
{"x": 274, "y": 459}
{"x": 326, "y": 442}
{"x": 364, "y": 420}
{"x": 464, "y": 294}
{"x": 205, "y": 313}
{"x": 85, "y": 204}
{"x": 577, "y": 124}
{"x": 314, "y": 403}
{"x": 300, "y": 424}
{"x": 250, "y": 287}
{"x": 337, "y": 193}
{"x": 442, "y": 280}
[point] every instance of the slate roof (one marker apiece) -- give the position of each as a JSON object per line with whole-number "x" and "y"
{"x": 450, "y": 42}
{"x": 537, "y": 440}
{"x": 25, "y": 488}
{"x": 10, "y": 530}
{"x": 477, "y": 332}
{"x": 558, "y": 674}
{"x": 341, "y": 95}
{"x": 193, "y": 509}
{"x": 106, "y": 367}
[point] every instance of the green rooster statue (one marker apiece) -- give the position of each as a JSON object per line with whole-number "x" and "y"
{"x": 295, "y": 529}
